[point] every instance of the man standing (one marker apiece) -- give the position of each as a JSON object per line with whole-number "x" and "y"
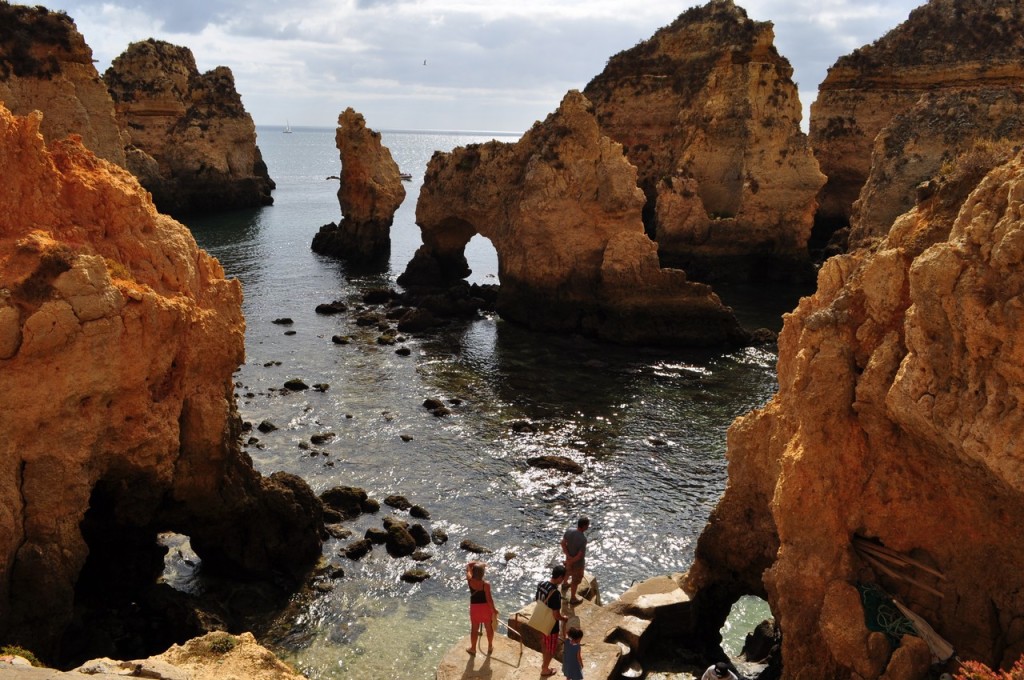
{"x": 548, "y": 595}
{"x": 574, "y": 546}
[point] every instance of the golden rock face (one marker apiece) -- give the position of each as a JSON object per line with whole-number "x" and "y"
{"x": 944, "y": 51}
{"x": 895, "y": 421}
{"x": 118, "y": 340}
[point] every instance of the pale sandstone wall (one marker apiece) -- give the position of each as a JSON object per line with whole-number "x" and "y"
{"x": 563, "y": 210}
{"x": 709, "y": 102}
{"x": 945, "y": 46}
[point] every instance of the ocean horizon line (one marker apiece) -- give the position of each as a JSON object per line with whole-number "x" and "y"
{"x": 326, "y": 128}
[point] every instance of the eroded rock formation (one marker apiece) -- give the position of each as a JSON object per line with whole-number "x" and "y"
{"x": 970, "y": 50}
{"x": 708, "y": 112}
{"x": 118, "y": 340}
{"x": 897, "y": 421}
{"x": 370, "y": 193}
{"x": 193, "y": 145}
{"x": 915, "y": 145}
{"x": 563, "y": 210}
{"x": 45, "y": 65}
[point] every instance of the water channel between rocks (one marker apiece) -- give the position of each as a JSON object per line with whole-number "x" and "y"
{"x": 648, "y": 426}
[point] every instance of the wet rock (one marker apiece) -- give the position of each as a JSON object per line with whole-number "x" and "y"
{"x": 266, "y": 426}
{"x": 421, "y": 555}
{"x": 341, "y": 339}
{"x": 357, "y": 549}
{"x": 395, "y": 522}
{"x": 417, "y": 321}
{"x": 398, "y": 502}
{"x": 764, "y": 336}
{"x": 369, "y": 506}
{"x": 473, "y": 547}
{"x": 329, "y": 308}
{"x": 347, "y": 500}
{"x": 441, "y": 412}
{"x": 406, "y": 437}
{"x": 295, "y": 385}
{"x": 509, "y": 556}
{"x": 290, "y": 332}
{"x": 400, "y": 542}
{"x": 321, "y": 387}
{"x": 335, "y": 530}
{"x": 420, "y": 535}
{"x": 283, "y": 321}
{"x": 376, "y": 535}
{"x": 304, "y": 446}
{"x": 431, "y": 404}
{"x": 419, "y": 512}
{"x": 415, "y": 576}
{"x": 403, "y": 351}
{"x": 332, "y": 516}
{"x": 335, "y": 571}
{"x": 378, "y": 296}
{"x": 560, "y": 463}
{"x": 322, "y": 438}
{"x": 764, "y": 640}
{"x": 386, "y": 339}
{"x": 365, "y": 320}
{"x": 439, "y": 536}
{"x": 524, "y": 426}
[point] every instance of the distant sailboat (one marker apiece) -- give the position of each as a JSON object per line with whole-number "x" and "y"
{"x": 287, "y": 127}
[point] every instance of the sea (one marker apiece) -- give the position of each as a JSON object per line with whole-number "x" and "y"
{"x": 648, "y": 426}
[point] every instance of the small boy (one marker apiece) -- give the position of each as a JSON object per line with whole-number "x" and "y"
{"x": 572, "y": 655}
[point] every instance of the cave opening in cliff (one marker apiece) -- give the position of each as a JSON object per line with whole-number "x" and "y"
{"x": 120, "y": 610}
{"x": 483, "y": 260}
{"x": 749, "y": 632}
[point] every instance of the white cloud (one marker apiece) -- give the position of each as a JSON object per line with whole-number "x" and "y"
{"x": 490, "y": 65}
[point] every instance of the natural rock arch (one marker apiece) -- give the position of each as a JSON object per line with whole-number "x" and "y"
{"x": 563, "y": 210}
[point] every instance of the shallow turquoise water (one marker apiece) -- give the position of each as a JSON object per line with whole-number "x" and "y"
{"x": 648, "y": 426}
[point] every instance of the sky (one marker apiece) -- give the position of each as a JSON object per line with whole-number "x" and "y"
{"x": 488, "y": 65}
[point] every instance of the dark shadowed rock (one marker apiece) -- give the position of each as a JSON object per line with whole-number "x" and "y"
{"x": 560, "y": 463}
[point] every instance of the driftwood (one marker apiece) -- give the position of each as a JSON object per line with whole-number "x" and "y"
{"x": 885, "y": 559}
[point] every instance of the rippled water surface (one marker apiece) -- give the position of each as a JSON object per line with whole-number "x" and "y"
{"x": 647, "y": 426}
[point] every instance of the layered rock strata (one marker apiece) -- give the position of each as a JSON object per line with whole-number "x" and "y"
{"x": 371, "y": 191}
{"x": 45, "y": 65}
{"x": 918, "y": 143}
{"x": 707, "y": 111}
{"x": 193, "y": 145}
{"x": 949, "y": 47}
{"x": 563, "y": 211}
{"x": 895, "y": 431}
{"x": 118, "y": 340}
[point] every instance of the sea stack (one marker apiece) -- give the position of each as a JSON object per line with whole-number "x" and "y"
{"x": 371, "y": 191}
{"x": 563, "y": 211}
{"x": 890, "y": 114}
{"x": 889, "y": 461}
{"x": 193, "y": 145}
{"x": 707, "y": 111}
{"x": 45, "y": 65}
{"x": 118, "y": 341}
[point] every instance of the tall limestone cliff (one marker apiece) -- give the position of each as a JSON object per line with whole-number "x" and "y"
{"x": 118, "y": 341}
{"x": 891, "y": 453}
{"x": 965, "y": 58}
{"x": 193, "y": 145}
{"x": 563, "y": 211}
{"x": 708, "y": 112}
{"x": 45, "y": 65}
{"x": 371, "y": 191}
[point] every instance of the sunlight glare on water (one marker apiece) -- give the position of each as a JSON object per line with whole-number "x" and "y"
{"x": 647, "y": 426}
